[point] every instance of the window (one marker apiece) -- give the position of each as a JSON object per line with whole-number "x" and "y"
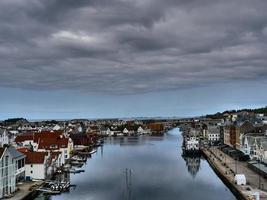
{"x": 31, "y": 166}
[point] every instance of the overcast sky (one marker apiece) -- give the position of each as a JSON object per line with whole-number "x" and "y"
{"x": 123, "y": 58}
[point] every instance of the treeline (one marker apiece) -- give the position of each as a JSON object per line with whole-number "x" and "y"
{"x": 219, "y": 115}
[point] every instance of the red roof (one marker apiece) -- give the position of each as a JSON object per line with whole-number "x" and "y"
{"x": 35, "y": 157}
{"x": 37, "y": 136}
{"x": 24, "y": 137}
{"x": 53, "y": 143}
{"x": 23, "y": 149}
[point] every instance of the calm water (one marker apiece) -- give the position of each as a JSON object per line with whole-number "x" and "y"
{"x": 145, "y": 168}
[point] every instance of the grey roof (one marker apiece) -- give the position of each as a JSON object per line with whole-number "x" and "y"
{"x": 14, "y": 153}
{"x": 213, "y": 129}
{"x": 2, "y": 131}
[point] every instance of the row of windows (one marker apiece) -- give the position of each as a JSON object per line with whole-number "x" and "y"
{"x": 20, "y": 163}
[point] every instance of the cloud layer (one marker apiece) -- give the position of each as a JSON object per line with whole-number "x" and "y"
{"x": 131, "y": 46}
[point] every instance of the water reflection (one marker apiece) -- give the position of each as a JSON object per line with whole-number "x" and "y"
{"x": 193, "y": 164}
{"x": 145, "y": 168}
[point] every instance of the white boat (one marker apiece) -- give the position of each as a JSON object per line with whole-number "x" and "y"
{"x": 48, "y": 190}
{"x": 77, "y": 158}
{"x": 92, "y": 152}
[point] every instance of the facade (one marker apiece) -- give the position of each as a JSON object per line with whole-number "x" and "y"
{"x": 213, "y": 134}
{"x": 19, "y": 160}
{"x": 230, "y": 135}
{"x": 140, "y": 130}
{"x": 48, "y": 141}
{"x": 3, "y": 137}
{"x": 62, "y": 145}
{"x": 125, "y": 131}
{"x": 7, "y": 175}
{"x": 106, "y": 132}
{"x": 192, "y": 144}
{"x": 242, "y": 129}
{"x": 36, "y": 165}
{"x": 263, "y": 151}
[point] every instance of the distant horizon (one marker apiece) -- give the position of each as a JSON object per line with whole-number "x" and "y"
{"x": 127, "y": 118}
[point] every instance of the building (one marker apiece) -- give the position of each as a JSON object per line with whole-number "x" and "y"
{"x": 213, "y": 134}
{"x": 47, "y": 141}
{"x": 3, "y": 137}
{"x": 140, "y": 130}
{"x": 263, "y": 151}
{"x": 7, "y": 175}
{"x": 233, "y": 133}
{"x": 229, "y": 135}
{"x": 105, "y": 131}
{"x": 156, "y": 127}
{"x": 62, "y": 145}
{"x": 19, "y": 160}
{"x": 36, "y": 165}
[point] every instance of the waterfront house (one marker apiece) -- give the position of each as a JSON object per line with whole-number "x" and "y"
{"x": 19, "y": 160}
{"x": 3, "y": 137}
{"x": 47, "y": 141}
{"x": 61, "y": 144}
{"x": 125, "y": 131}
{"x": 213, "y": 134}
{"x": 36, "y": 165}
{"x": 27, "y": 140}
{"x": 105, "y": 131}
{"x": 140, "y": 130}
{"x": 7, "y": 175}
{"x": 81, "y": 139}
{"x": 156, "y": 128}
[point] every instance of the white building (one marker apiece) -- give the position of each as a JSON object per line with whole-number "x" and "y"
{"x": 36, "y": 166}
{"x": 106, "y": 132}
{"x": 61, "y": 145}
{"x": 213, "y": 134}
{"x": 19, "y": 160}
{"x": 192, "y": 143}
{"x": 57, "y": 127}
{"x": 3, "y": 137}
{"x": 140, "y": 130}
{"x": 125, "y": 131}
{"x": 7, "y": 175}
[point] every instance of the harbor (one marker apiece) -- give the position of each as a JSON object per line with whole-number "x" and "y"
{"x": 227, "y": 168}
{"x": 144, "y": 167}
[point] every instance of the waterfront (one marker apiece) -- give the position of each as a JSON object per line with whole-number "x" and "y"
{"x": 145, "y": 168}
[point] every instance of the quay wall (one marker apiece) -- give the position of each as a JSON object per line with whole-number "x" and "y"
{"x": 234, "y": 189}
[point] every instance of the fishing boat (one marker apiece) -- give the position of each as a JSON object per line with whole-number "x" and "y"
{"x": 93, "y": 151}
{"x": 76, "y": 163}
{"x": 48, "y": 190}
{"x": 78, "y": 158}
{"x": 74, "y": 171}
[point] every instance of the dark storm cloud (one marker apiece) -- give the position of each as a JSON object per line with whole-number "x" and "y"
{"x": 128, "y": 46}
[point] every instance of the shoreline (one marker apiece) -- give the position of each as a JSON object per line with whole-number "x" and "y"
{"x": 226, "y": 180}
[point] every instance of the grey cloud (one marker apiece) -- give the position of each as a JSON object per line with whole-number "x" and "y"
{"x": 129, "y": 46}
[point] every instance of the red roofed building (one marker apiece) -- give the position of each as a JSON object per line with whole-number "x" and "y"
{"x": 36, "y": 165}
{"x": 61, "y": 145}
{"x": 47, "y": 141}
